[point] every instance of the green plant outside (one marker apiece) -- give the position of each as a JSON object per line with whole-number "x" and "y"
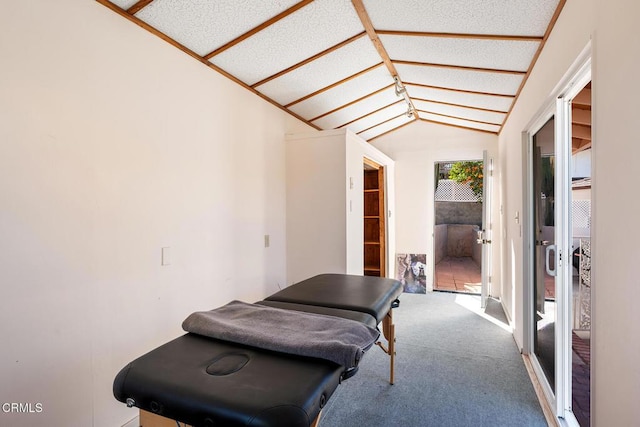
{"x": 468, "y": 173}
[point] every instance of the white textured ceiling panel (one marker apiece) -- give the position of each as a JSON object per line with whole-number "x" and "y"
{"x": 124, "y": 4}
{"x": 495, "y": 54}
{"x": 461, "y": 112}
{"x": 205, "y": 25}
{"x": 504, "y": 17}
{"x": 377, "y": 117}
{"x": 462, "y": 61}
{"x": 385, "y": 127}
{"x": 324, "y": 71}
{"x": 476, "y": 81}
{"x": 491, "y": 102}
{"x": 356, "y": 110}
{"x": 301, "y": 35}
{"x": 342, "y": 94}
{"x": 459, "y": 122}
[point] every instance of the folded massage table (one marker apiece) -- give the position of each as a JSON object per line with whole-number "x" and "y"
{"x": 204, "y": 381}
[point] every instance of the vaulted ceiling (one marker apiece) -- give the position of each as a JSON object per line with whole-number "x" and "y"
{"x": 372, "y": 66}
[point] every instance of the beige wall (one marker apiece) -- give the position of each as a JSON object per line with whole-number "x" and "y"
{"x": 615, "y": 246}
{"x": 114, "y": 144}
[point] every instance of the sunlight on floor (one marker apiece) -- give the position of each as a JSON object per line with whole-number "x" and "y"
{"x": 472, "y": 303}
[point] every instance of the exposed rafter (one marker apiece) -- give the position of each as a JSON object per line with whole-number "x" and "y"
{"x": 458, "y": 126}
{"x": 460, "y": 36}
{"x": 458, "y": 67}
{"x": 331, "y": 86}
{"x": 373, "y": 36}
{"x": 473, "y": 92}
{"x": 355, "y": 101}
{"x": 460, "y": 105}
{"x": 308, "y": 60}
{"x": 459, "y": 118}
{"x": 138, "y": 6}
{"x": 368, "y": 114}
{"x": 364, "y": 89}
{"x": 552, "y": 23}
{"x": 257, "y": 29}
{"x": 381, "y": 123}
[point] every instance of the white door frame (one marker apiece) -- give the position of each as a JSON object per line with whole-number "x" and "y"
{"x": 485, "y": 236}
{"x": 558, "y": 105}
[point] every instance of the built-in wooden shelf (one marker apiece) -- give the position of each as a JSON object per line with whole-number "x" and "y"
{"x": 374, "y": 222}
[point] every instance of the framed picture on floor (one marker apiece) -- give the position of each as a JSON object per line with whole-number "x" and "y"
{"x": 411, "y": 271}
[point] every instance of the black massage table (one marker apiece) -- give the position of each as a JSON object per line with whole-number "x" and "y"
{"x": 204, "y": 381}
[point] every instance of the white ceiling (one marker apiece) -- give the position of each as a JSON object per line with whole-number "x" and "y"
{"x": 332, "y": 63}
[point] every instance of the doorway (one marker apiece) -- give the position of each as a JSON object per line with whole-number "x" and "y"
{"x": 458, "y": 208}
{"x": 375, "y": 259}
{"x": 558, "y": 248}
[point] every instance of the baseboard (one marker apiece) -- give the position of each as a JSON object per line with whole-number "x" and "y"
{"x": 552, "y": 420}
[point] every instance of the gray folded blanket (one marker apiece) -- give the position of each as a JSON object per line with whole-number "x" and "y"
{"x": 332, "y": 338}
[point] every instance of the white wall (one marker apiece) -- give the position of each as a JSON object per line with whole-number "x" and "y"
{"x": 316, "y": 205}
{"x": 325, "y": 203}
{"x": 114, "y": 144}
{"x": 612, "y": 27}
{"x": 570, "y": 35}
{"x": 415, "y": 149}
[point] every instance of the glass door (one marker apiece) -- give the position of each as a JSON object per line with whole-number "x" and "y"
{"x": 544, "y": 271}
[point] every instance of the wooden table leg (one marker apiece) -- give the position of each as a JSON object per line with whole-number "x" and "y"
{"x": 389, "y": 332}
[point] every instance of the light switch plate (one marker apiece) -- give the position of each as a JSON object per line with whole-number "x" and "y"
{"x": 166, "y": 256}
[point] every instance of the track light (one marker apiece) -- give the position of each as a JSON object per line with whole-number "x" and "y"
{"x": 401, "y": 91}
{"x": 399, "y": 88}
{"x": 410, "y": 112}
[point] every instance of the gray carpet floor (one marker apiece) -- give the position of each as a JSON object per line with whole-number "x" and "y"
{"x": 453, "y": 368}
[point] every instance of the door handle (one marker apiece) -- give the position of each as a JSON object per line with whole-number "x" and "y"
{"x": 481, "y": 240}
{"x": 548, "y": 250}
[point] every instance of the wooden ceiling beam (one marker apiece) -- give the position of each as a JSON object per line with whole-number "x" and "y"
{"x": 460, "y": 35}
{"x": 392, "y": 129}
{"x": 371, "y": 32}
{"x": 352, "y": 102}
{"x": 472, "y": 92}
{"x": 460, "y": 105}
{"x": 331, "y": 86}
{"x": 381, "y": 123}
{"x": 138, "y": 6}
{"x": 460, "y": 118}
{"x": 552, "y": 23}
{"x": 369, "y": 113}
{"x": 458, "y": 126}
{"x": 373, "y": 36}
{"x": 310, "y": 59}
{"x": 197, "y": 57}
{"x": 257, "y": 29}
{"x": 458, "y": 67}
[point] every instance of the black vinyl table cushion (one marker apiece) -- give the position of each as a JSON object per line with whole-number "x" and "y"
{"x": 366, "y": 294}
{"x": 205, "y": 382}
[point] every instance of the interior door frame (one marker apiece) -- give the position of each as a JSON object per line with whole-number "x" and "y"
{"x": 485, "y": 239}
{"x": 558, "y": 105}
